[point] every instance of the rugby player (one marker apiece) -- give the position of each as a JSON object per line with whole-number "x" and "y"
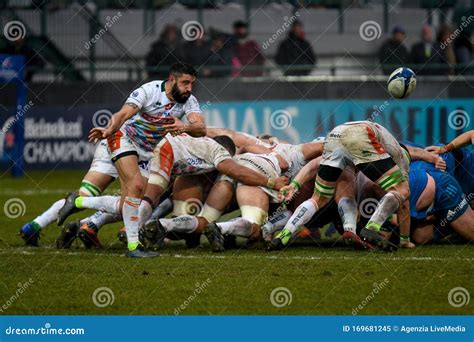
{"x": 253, "y": 202}
{"x": 438, "y": 206}
{"x": 290, "y": 158}
{"x": 149, "y": 113}
{"x": 370, "y": 148}
{"x": 184, "y": 155}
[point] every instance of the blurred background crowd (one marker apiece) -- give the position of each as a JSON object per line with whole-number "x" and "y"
{"x": 260, "y": 42}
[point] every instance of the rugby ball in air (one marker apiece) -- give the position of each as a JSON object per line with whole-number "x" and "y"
{"x": 401, "y": 83}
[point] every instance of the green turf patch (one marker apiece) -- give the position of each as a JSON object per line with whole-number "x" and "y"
{"x": 305, "y": 279}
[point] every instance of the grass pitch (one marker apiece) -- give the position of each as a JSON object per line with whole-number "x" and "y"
{"x": 306, "y": 279}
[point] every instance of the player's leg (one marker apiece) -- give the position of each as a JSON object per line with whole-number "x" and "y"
{"x": 345, "y": 199}
{"x": 323, "y": 193}
{"x": 464, "y": 225}
{"x": 93, "y": 184}
{"x": 423, "y": 233}
{"x": 253, "y": 203}
{"x": 335, "y": 160}
{"x": 391, "y": 179}
{"x": 188, "y": 196}
{"x": 217, "y": 200}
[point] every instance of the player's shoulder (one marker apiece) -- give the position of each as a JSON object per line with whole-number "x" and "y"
{"x": 156, "y": 86}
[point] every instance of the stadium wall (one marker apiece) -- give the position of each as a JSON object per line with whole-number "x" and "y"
{"x": 59, "y": 117}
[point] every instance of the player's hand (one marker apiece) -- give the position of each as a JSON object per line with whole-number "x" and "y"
{"x": 286, "y": 193}
{"x": 177, "y": 127}
{"x": 440, "y": 164}
{"x": 280, "y": 182}
{"x": 407, "y": 244}
{"x": 435, "y": 149}
{"x": 99, "y": 133}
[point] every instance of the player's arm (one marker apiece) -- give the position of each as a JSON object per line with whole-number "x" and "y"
{"x": 417, "y": 153}
{"x": 238, "y": 138}
{"x": 464, "y": 139}
{"x": 247, "y": 176}
{"x": 213, "y": 132}
{"x": 257, "y": 149}
{"x": 312, "y": 150}
{"x": 196, "y": 127}
{"x": 128, "y": 110}
{"x": 308, "y": 172}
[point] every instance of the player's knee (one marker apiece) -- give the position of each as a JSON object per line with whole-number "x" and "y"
{"x": 209, "y": 213}
{"x": 136, "y": 189}
{"x": 254, "y": 215}
{"x": 402, "y": 192}
{"x": 420, "y": 237}
{"x": 323, "y": 192}
{"x": 89, "y": 189}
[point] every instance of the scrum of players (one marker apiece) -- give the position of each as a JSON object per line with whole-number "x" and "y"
{"x": 377, "y": 193}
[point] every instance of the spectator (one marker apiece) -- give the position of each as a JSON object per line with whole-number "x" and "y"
{"x": 246, "y": 51}
{"x": 163, "y": 53}
{"x": 426, "y": 54}
{"x": 295, "y": 50}
{"x": 463, "y": 51}
{"x": 220, "y": 57}
{"x": 393, "y": 52}
{"x": 22, "y": 46}
{"x": 196, "y": 52}
{"x": 446, "y": 49}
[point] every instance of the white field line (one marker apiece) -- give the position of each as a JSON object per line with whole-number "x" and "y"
{"x": 17, "y": 192}
{"x": 51, "y": 251}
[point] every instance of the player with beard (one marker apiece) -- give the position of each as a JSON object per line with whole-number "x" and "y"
{"x": 150, "y": 112}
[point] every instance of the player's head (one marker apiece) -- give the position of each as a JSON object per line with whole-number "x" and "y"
{"x": 227, "y": 143}
{"x": 182, "y": 77}
{"x": 297, "y": 29}
{"x": 240, "y": 29}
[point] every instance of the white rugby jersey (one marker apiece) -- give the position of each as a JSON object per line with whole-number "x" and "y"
{"x": 145, "y": 128}
{"x": 195, "y": 155}
{"x": 293, "y": 156}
